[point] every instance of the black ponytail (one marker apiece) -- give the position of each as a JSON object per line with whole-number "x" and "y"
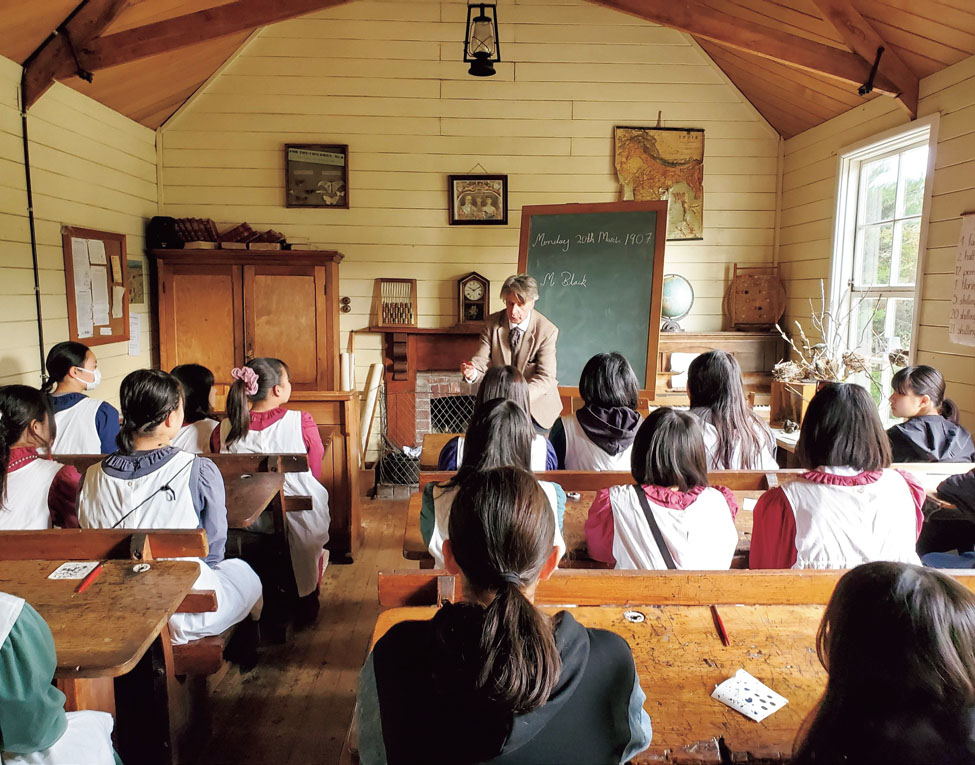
{"x": 20, "y": 405}
{"x": 60, "y": 360}
{"x": 501, "y": 532}
{"x": 148, "y": 396}
{"x": 269, "y": 373}
{"x": 197, "y": 382}
{"x": 927, "y": 381}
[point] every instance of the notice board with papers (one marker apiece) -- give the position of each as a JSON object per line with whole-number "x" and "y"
{"x": 95, "y": 279}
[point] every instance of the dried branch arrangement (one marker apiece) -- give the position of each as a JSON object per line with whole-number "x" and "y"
{"x": 832, "y": 359}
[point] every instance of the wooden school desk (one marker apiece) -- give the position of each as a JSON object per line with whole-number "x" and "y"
{"x": 101, "y": 633}
{"x": 574, "y": 532}
{"x": 680, "y": 659}
{"x": 248, "y": 495}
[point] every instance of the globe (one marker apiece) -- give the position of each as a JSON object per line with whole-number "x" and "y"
{"x": 678, "y": 297}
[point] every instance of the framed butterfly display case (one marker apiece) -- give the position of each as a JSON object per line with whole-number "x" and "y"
{"x": 316, "y": 175}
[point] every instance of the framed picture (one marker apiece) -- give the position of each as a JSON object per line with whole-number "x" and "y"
{"x": 317, "y": 175}
{"x": 478, "y": 200}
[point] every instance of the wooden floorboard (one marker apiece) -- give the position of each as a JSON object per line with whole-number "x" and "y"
{"x": 295, "y": 707}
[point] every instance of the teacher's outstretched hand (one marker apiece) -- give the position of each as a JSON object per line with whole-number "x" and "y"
{"x": 521, "y": 337}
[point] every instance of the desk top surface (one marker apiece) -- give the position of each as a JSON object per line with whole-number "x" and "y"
{"x": 248, "y": 495}
{"x": 680, "y": 659}
{"x": 104, "y": 631}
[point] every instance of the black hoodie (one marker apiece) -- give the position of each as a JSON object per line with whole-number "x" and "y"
{"x": 430, "y": 714}
{"x": 930, "y": 438}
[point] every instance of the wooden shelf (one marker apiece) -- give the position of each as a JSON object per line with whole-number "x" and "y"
{"x": 457, "y": 329}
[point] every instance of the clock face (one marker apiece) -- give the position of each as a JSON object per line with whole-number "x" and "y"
{"x": 474, "y": 290}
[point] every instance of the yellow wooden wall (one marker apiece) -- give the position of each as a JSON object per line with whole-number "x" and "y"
{"x": 385, "y": 78}
{"x": 91, "y": 167}
{"x": 809, "y": 205}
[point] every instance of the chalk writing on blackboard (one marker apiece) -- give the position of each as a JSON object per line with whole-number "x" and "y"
{"x": 564, "y": 279}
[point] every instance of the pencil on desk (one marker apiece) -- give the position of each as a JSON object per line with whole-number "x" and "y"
{"x": 719, "y": 624}
{"x": 92, "y": 576}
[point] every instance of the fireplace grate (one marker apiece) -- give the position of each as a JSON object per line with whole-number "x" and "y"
{"x": 451, "y": 414}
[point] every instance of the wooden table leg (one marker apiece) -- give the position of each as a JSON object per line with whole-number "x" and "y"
{"x": 95, "y": 693}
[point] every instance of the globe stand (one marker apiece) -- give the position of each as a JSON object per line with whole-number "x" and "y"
{"x": 670, "y": 325}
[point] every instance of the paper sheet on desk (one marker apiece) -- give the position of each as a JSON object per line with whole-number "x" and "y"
{"x": 752, "y": 698}
{"x": 76, "y": 569}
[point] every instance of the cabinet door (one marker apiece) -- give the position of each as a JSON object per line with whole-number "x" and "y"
{"x": 285, "y": 317}
{"x": 200, "y": 318}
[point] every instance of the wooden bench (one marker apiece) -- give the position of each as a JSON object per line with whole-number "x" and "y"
{"x": 746, "y": 484}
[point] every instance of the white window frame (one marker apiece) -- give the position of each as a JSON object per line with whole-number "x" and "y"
{"x": 924, "y": 130}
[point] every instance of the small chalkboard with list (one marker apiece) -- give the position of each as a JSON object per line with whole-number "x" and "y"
{"x": 599, "y": 269}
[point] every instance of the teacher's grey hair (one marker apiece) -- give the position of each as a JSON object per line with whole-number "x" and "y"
{"x": 522, "y": 286}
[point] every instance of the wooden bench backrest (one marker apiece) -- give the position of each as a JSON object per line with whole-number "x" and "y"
{"x": 228, "y": 464}
{"x": 589, "y": 480}
{"x": 583, "y": 587}
{"x": 102, "y": 544}
{"x": 433, "y": 444}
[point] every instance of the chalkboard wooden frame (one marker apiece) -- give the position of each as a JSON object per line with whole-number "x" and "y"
{"x": 660, "y": 241}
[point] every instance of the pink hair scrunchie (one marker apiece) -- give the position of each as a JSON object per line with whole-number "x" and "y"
{"x": 248, "y": 376}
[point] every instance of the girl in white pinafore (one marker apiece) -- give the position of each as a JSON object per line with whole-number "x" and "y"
{"x": 35, "y": 493}
{"x": 267, "y": 427}
{"x": 600, "y": 435}
{"x": 84, "y": 425}
{"x": 499, "y": 435}
{"x": 199, "y": 397}
{"x": 150, "y": 484}
{"x": 849, "y": 507}
{"x": 696, "y": 521}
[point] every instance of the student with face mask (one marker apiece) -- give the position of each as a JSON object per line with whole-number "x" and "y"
{"x": 84, "y": 425}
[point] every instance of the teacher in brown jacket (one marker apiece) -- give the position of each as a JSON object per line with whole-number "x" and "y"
{"x": 522, "y": 337}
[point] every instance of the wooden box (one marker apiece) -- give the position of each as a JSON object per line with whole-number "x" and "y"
{"x": 789, "y": 401}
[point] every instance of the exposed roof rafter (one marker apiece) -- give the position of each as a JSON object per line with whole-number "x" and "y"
{"x": 192, "y": 28}
{"x": 55, "y": 57}
{"x": 865, "y": 41}
{"x": 734, "y": 32}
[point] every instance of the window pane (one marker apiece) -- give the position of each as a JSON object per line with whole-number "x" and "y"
{"x": 910, "y": 234}
{"x": 882, "y": 325}
{"x": 878, "y": 190}
{"x": 873, "y": 251}
{"x": 914, "y": 165}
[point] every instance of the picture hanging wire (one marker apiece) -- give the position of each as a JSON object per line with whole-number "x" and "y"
{"x": 478, "y": 165}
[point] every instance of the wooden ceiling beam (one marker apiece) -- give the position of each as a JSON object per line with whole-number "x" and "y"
{"x": 864, "y": 40}
{"x": 734, "y": 32}
{"x": 192, "y": 28}
{"x": 54, "y": 58}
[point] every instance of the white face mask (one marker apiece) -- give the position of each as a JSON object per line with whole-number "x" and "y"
{"x": 96, "y": 375}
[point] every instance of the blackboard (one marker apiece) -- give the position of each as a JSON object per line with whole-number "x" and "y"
{"x": 599, "y": 269}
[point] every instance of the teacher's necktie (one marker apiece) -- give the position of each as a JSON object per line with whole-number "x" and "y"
{"x": 515, "y": 339}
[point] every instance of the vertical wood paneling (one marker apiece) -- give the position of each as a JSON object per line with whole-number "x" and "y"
{"x": 809, "y": 208}
{"x": 386, "y": 79}
{"x": 91, "y": 167}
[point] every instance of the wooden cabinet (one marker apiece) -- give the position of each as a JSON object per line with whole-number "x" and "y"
{"x": 221, "y": 308}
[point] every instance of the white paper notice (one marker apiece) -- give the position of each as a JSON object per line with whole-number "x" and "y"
{"x": 82, "y": 301}
{"x": 96, "y": 252}
{"x": 135, "y": 337}
{"x": 752, "y": 698}
{"x": 961, "y": 319}
{"x": 118, "y": 301}
{"x": 77, "y": 569}
{"x": 99, "y": 295}
{"x": 79, "y": 260}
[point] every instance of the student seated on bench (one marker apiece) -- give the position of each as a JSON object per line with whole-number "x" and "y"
{"x": 199, "y": 420}
{"x": 34, "y": 728}
{"x": 501, "y": 382}
{"x": 959, "y": 490}
{"x": 695, "y": 523}
{"x": 494, "y": 678}
{"x": 35, "y": 493}
{"x": 600, "y": 435}
{"x": 898, "y": 643}
{"x": 149, "y": 484}
{"x": 499, "y": 435}
{"x": 849, "y": 507}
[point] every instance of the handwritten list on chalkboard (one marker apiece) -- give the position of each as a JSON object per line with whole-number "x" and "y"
{"x": 961, "y": 320}
{"x": 598, "y": 268}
